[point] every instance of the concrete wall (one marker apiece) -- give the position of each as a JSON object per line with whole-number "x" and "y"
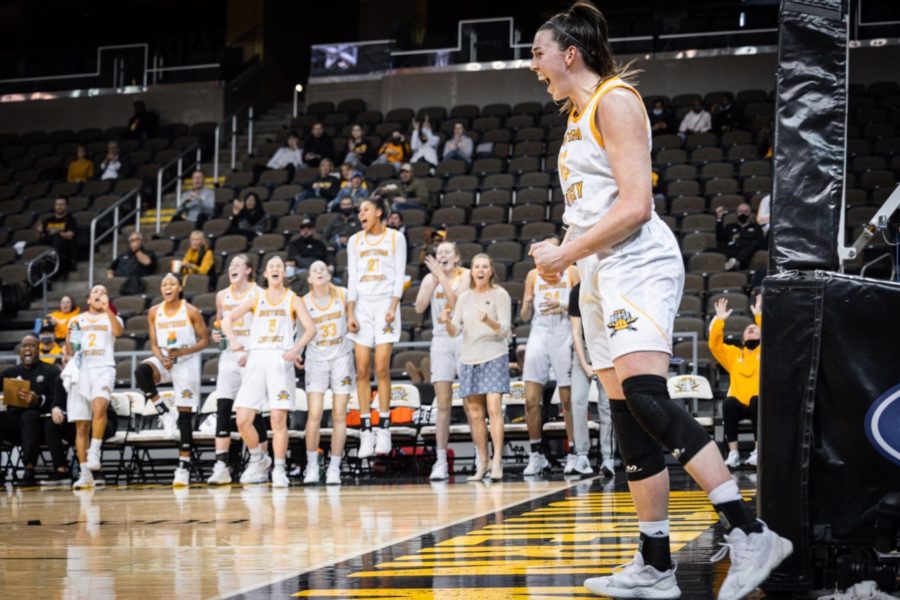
{"x": 175, "y": 103}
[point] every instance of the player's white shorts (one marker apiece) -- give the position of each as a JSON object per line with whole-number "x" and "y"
{"x": 549, "y": 347}
{"x": 373, "y": 330}
{"x": 628, "y": 300}
{"x": 93, "y": 382}
{"x": 445, "y": 353}
{"x": 184, "y": 377}
{"x": 230, "y": 375}
{"x": 337, "y": 374}
{"x": 269, "y": 382}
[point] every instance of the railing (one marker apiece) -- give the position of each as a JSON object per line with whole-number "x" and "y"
{"x": 232, "y": 120}
{"x": 118, "y": 219}
{"x": 161, "y": 186}
{"x": 45, "y": 275}
{"x": 96, "y": 73}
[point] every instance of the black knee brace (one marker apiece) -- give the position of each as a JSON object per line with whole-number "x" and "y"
{"x": 186, "y": 429}
{"x": 262, "y": 429}
{"x": 669, "y": 424}
{"x": 642, "y": 454}
{"x": 223, "y": 417}
{"x": 143, "y": 376}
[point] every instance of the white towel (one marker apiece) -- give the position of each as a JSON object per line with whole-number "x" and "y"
{"x": 70, "y": 375}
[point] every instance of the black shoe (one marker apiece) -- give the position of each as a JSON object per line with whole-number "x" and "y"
{"x": 57, "y": 479}
{"x": 27, "y": 480}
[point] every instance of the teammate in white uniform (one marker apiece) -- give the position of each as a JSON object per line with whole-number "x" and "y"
{"x": 329, "y": 365}
{"x": 376, "y": 265}
{"x": 440, "y": 288}
{"x": 632, "y": 275}
{"x": 92, "y": 342}
{"x": 177, "y": 335}
{"x": 546, "y": 304}
{"x": 269, "y": 375}
{"x": 231, "y": 370}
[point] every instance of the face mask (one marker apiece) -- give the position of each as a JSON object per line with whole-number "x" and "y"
{"x": 751, "y": 344}
{"x": 46, "y": 339}
{"x": 743, "y": 219}
{"x": 396, "y": 139}
{"x": 657, "y": 111}
{"x": 347, "y": 211}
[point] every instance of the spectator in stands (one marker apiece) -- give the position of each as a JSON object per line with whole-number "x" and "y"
{"x": 289, "y": 157}
{"x": 58, "y": 231}
{"x": 763, "y": 214}
{"x": 113, "y": 165}
{"x": 198, "y": 259}
{"x": 431, "y": 238}
{"x": 483, "y": 314}
{"x": 51, "y": 352}
{"x": 698, "y": 120}
{"x": 394, "y": 151}
{"x": 395, "y": 221}
{"x": 459, "y": 146}
{"x": 409, "y": 192}
{"x": 338, "y": 231}
{"x": 742, "y": 364}
{"x": 356, "y": 189}
{"x": 360, "y": 152}
{"x": 22, "y": 425}
{"x": 81, "y": 169}
{"x": 661, "y": 119}
{"x": 740, "y": 240}
{"x": 725, "y": 115}
{"x": 305, "y": 249}
{"x": 317, "y": 146}
{"x": 60, "y": 318}
{"x": 143, "y": 123}
{"x": 324, "y": 186}
{"x": 133, "y": 265}
{"x": 424, "y": 142}
{"x": 248, "y": 218}
{"x": 198, "y": 203}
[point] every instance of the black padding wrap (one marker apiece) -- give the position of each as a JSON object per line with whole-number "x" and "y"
{"x": 262, "y": 428}
{"x": 143, "y": 376}
{"x": 186, "y": 430}
{"x": 642, "y": 454}
{"x": 223, "y": 417}
{"x": 670, "y": 424}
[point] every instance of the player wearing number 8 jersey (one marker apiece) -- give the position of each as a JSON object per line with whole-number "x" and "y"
{"x": 376, "y": 265}
{"x": 329, "y": 365}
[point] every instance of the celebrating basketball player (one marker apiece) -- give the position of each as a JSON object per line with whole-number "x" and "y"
{"x": 91, "y": 339}
{"x": 177, "y": 335}
{"x": 269, "y": 368}
{"x": 632, "y": 277}
{"x": 376, "y": 264}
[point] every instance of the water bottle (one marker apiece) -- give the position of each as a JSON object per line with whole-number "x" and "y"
{"x": 75, "y": 336}
{"x": 171, "y": 344}
{"x": 217, "y": 329}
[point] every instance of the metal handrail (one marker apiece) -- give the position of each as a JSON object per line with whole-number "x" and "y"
{"x": 135, "y": 195}
{"x": 865, "y": 267}
{"x": 232, "y": 119}
{"x": 96, "y": 73}
{"x": 44, "y": 276}
{"x": 161, "y": 187}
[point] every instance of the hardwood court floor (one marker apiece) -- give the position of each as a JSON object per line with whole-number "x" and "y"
{"x": 516, "y": 539}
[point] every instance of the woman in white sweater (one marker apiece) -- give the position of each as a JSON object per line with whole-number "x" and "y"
{"x": 483, "y": 315}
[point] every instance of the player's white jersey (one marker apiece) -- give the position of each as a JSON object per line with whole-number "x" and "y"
{"x": 376, "y": 264}
{"x": 439, "y": 303}
{"x": 97, "y": 340}
{"x": 274, "y": 325}
{"x": 558, "y": 291}
{"x": 330, "y": 318}
{"x": 230, "y": 301}
{"x": 176, "y": 330}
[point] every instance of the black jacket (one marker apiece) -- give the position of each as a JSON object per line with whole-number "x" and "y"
{"x": 44, "y": 380}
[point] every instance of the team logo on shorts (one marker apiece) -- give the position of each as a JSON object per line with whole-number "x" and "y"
{"x": 346, "y": 380}
{"x": 187, "y": 394}
{"x": 686, "y": 385}
{"x": 621, "y": 320}
{"x": 283, "y": 396}
{"x": 388, "y": 328}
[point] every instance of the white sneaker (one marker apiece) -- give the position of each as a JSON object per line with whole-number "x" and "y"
{"x": 636, "y": 580}
{"x": 864, "y": 590}
{"x": 583, "y": 466}
{"x": 93, "y": 459}
{"x": 254, "y": 473}
{"x": 266, "y": 462}
{"x": 439, "y": 472}
{"x": 85, "y": 480}
{"x": 570, "y": 464}
{"x": 752, "y": 559}
{"x": 170, "y": 424}
{"x": 382, "y": 441}
{"x": 221, "y": 474}
{"x": 182, "y": 478}
{"x": 311, "y": 474}
{"x": 751, "y": 460}
{"x": 280, "y": 478}
{"x": 537, "y": 462}
{"x": 734, "y": 460}
{"x": 608, "y": 468}
{"x": 730, "y": 264}
{"x": 366, "y": 444}
{"x": 333, "y": 475}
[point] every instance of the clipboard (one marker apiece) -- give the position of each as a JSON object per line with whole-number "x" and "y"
{"x": 11, "y": 389}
